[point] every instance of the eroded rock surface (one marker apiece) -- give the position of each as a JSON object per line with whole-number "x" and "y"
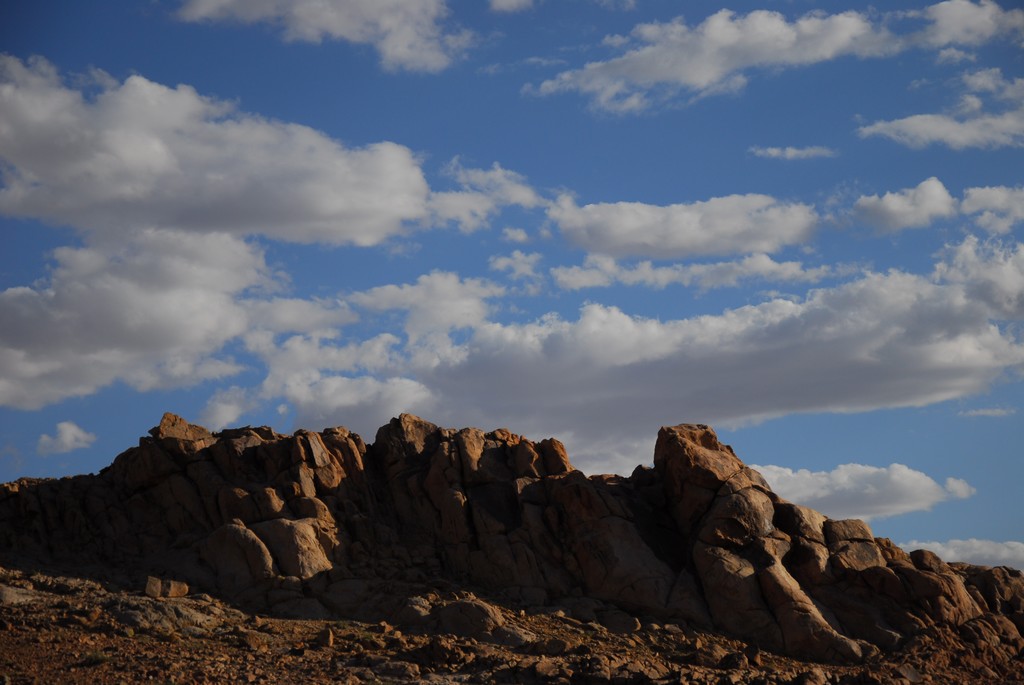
{"x": 321, "y": 525}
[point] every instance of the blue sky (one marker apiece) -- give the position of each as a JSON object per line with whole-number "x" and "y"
{"x": 796, "y": 221}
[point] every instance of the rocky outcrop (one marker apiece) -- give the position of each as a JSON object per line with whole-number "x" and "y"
{"x": 321, "y": 524}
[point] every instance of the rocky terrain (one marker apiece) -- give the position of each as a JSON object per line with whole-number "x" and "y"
{"x": 459, "y": 555}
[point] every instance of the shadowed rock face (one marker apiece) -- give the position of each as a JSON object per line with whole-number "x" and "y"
{"x": 306, "y": 525}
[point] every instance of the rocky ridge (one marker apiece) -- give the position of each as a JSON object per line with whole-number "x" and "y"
{"x": 321, "y": 526}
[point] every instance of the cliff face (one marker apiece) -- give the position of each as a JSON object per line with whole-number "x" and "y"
{"x": 311, "y": 525}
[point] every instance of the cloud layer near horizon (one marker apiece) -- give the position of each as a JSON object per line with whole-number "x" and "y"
{"x": 975, "y": 551}
{"x": 863, "y": 492}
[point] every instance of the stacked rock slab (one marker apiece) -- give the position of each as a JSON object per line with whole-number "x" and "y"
{"x": 309, "y": 524}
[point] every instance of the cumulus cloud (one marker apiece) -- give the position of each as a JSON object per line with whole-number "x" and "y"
{"x": 152, "y": 311}
{"x": 483, "y": 192}
{"x": 361, "y": 400}
{"x": 515, "y": 235}
{"x": 407, "y": 35}
{"x": 601, "y": 271}
{"x": 722, "y": 225}
{"x": 883, "y": 340}
{"x": 954, "y": 56}
{"x": 789, "y": 153}
{"x": 998, "y": 208}
{"x": 327, "y": 381}
{"x": 962, "y": 22}
{"x": 991, "y": 273}
{"x": 991, "y": 116}
{"x": 862, "y": 491}
{"x": 714, "y": 55}
{"x": 141, "y": 154}
{"x": 289, "y": 314}
{"x": 974, "y": 551}
{"x": 604, "y": 380}
{"x": 981, "y": 131}
{"x": 69, "y": 436}
{"x": 907, "y": 208}
{"x": 437, "y": 303}
{"x": 227, "y": 406}
{"x": 992, "y": 81}
{"x": 660, "y": 60}
{"x": 519, "y": 265}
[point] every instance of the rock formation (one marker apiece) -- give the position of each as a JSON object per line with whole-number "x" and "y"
{"x": 321, "y": 524}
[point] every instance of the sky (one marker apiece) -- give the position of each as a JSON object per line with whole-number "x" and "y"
{"x": 797, "y": 222}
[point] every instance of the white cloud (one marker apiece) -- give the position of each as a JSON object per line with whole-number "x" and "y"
{"x": 298, "y": 361}
{"x": 227, "y": 406}
{"x": 152, "y": 310}
{"x": 884, "y": 340}
{"x": 954, "y": 56}
{"x": 975, "y": 551}
{"x": 604, "y": 381}
{"x": 713, "y": 56}
{"x": 991, "y": 412}
{"x": 722, "y": 225}
{"x": 510, "y": 5}
{"x": 601, "y": 271}
{"x": 437, "y": 303}
{"x": 861, "y": 491}
{"x": 790, "y": 153}
{"x": 962, "y": 22}
{"x": 515, "y": 235}
{"x": 908, "y": 208}
{"x": 976, "y": 126}
{"x": 992, "y": 81}
{"x": 662, "y": 59}
{"x": 326, "y": 383}
{"x": 483, "y": 192}
{"x": 140, "y": 154}
{"x": 999, "y": 208}
{"x": 519, "y": 265}
{"x": 408, "y": 35}
{"x": 984, "y": 131}
{"x": 357, "y": 401}
{"x": 286, "y": 314}
{"x": 991, "y": 273}
{"x": 69, "y": 436}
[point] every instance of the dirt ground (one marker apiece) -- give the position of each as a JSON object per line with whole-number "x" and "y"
{"x": 61, "y": 628}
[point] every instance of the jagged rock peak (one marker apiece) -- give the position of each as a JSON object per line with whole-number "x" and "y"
{"x": 319, "y": 523}
{"x": 173, "y": 426}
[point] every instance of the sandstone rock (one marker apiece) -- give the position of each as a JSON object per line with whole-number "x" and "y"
{"x": 157, "y": 587}
{"x": 734, "y": 596}
{"x": 322, "y": 524}
{"x": 294, "y": 545}
{"x": 800, "y": 521}
{"x": 736, "y": 520}
{"x": 469, "y": 618}
{"x": 11, "y": 596}
{"x": 174, "y": 427}
{"x": 238, "y": 557}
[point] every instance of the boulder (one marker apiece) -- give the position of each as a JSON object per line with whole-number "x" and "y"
{"x": 294, "y": 545}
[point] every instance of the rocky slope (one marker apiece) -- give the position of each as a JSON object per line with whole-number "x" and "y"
{"x": 321, "y": 526}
